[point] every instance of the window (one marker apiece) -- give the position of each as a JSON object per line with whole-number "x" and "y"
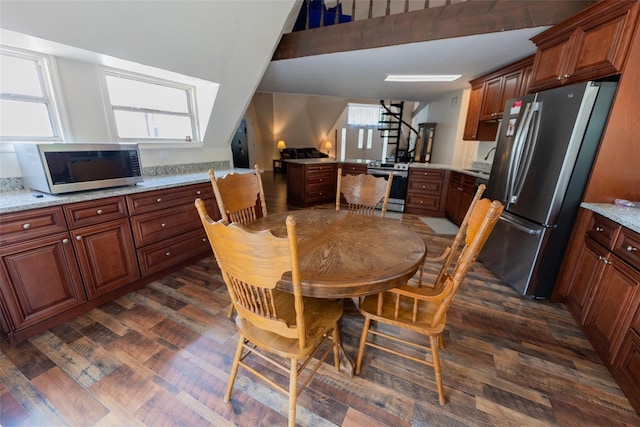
{"x": 151, "y": 109}
{"x": 27, "y": 107}
{"x": 363, "y": 114}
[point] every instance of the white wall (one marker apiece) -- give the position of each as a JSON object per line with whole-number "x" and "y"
{"x": 448, "y": 112}
{"x": 228, "y": 42}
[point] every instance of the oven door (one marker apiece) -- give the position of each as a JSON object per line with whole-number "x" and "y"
{"x": 398, "y": 192}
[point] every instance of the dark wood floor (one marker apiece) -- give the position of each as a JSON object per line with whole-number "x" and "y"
{"x": 160, "y": 356}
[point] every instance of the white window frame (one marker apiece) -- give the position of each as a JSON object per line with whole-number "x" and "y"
{"x": 357, "y": 114}
{"x": 191, "y": 104}
{"x": 49, "y": 82}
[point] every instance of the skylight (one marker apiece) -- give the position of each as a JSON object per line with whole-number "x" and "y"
{"x": 422, "y": 77}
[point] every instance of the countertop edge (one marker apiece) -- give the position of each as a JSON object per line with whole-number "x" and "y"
{"x": 17, "y": 201}
{"x": 626, "y": 216}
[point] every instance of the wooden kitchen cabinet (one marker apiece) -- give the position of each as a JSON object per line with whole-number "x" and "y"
{"x": 460, "y": 192}
{"x": 426, "y": 192}
{"x": 59, "y": 262}
{"x": 627, "y": 368}
{"x": 39, "y": 275}
{"x": 489, "y": 94}
{"x": 591, "y": 45}
{"x": 600, "y": 284}
{"x": 103, "y": 243}
{"x": 310, "y": 184}
{"x": 166, "y": 227}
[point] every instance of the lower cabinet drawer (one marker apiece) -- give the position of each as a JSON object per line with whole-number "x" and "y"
{"x": 423, "y": 202}
{"x": 155, "y": 226}
{"x": 161, "y": 255}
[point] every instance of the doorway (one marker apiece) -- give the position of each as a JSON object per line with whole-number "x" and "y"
{"x": 240, "y": 147}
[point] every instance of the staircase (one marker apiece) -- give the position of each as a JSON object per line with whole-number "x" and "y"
{"x": 390, "y": 126}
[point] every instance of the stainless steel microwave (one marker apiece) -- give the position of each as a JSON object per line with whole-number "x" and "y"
{"x": 64, "y": 168}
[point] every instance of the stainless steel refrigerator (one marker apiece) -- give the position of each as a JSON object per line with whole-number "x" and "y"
{"x": 545, "y": 149}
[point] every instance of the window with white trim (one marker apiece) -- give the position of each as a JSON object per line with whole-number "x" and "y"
{"x": 363, "y": 114}
{"x": 28, "y": 111}
{"x": 146, "y": 109}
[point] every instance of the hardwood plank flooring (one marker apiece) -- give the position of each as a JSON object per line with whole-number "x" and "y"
{"x": 160, "y": 356}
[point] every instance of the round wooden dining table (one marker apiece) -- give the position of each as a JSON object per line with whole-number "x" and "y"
{"x": 345, "y": 255}
{"x": 348, "y": 255}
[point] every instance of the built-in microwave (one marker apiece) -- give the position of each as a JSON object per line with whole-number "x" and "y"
{"x": 64, "y": 168}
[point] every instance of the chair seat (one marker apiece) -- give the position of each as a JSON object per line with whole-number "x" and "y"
{"x": 424, "y": 318}
{"x": 320, "y": 316}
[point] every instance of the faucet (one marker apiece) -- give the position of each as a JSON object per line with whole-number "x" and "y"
{"x": 489, "y": 152}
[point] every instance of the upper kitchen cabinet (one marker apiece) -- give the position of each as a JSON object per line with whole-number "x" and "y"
{"x": 591, "y": 45}
{"x": 489, "y": 94}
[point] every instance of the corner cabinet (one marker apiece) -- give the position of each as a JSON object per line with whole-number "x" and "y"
{"x": 311, "y": 184}
{"x": 591, "y": 45}
{"x": 460, "y": 192}
{"x": 600, "y": 284}
{"x": 489, "y": 94}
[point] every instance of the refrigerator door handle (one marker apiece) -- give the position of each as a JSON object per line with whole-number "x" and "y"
{"x": 529, "y": 143}
{"x": 514, "y": 161}
{"x": 518, "y": 226}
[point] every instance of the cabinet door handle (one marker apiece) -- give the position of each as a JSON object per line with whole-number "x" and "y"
{"x": 99, "y": 211}
{"x": 158, "y": 200}
{"x": 163, "y": 225}
{"x": 559, "y": 78}
{"x": 598, "y": 229}
{"x": 604, "y": 260}
{"x": 65, "y": 241}
{"x": 459, "y": 188}
{"x": 566, "y": 76}
{"x": 78, "y": 237}
{"x": 631, "y": 248}
{"x": 26, "y": 226}
{"x": 168, "y": 253}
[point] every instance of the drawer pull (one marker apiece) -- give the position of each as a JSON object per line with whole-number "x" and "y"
{"x": 459, "y": 188}
{"x": 598, "y": 229}
{"x": 204, "y": 239}
{"x": 168, "y": 254}
{"x": 26, "y": 226}
{"x": 198, "y": 192}
{"x": 631, "y": 248}
{"x": 78, "y": 238}
{"x": 65, "y": 241}
{"x": 163, "y": 225}
{"x": 424, "y": 186}
{"x": 159, "y": 199}
{"x": 421, "y": 201}
{"x": 99, "y": 211}
{"x": 320, "y": 179}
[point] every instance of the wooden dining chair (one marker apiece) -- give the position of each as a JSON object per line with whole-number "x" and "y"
{"x": 446, "y": 257}
{"x": 272, "y": 322}
{"x": 240, "y": 196}
{"x": 424, "y": 310}
{"x": 363, "y": 192}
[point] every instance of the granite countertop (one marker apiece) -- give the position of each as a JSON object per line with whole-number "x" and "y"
{"x": 623, "y": 215}
{"x": 312, "y": 160}
{"x": 477, "y": 174}
{"x": 15, "y": 201}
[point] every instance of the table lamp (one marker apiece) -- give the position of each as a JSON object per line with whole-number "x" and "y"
{"x": 328, "y": 146}
{"x": 281, "y": 145}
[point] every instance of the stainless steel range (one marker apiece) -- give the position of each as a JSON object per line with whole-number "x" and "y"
{"x": 398, "y": 193}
